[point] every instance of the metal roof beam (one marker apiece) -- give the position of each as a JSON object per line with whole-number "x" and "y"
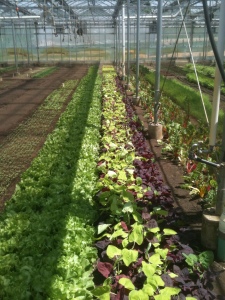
{"x": 13, "y": 7}
{"x": 67, "y": 8}
{"x": 117, "y": 8}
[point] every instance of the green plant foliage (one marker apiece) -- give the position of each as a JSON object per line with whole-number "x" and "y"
{"x": 127, "y": 283}
{"x": 45, "y": 72}
{"x": 182, "y": 94}
{"x": 129, "y": 256}
{"x": 180, "y": 133}
{"x": 46, "y": 231}
{"x": 139, "y": 251}
{"x": 138, "y": 295}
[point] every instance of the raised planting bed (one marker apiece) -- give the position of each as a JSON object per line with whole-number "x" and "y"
{"x": 140, "y": 241}
{"x": 46, "y": 229}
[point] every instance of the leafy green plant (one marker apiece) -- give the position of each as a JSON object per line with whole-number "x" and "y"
{"x": 179, "y": 134}
{"x": 46, "y": 231}
{"x": 17, "y": 142}
{"x": 45, "y": 72}
{"x": 181, "y": 94}
{"x": 140, "y": 257}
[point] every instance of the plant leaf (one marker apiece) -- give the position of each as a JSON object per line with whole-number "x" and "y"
{"x": 102, "y": 292}
{"x": 155, "y": 259}
{"x": 148, "y": 269}
{"x": 168, "y": 231}
{"x": 104, "y": 268}
{"x": 162, "y": 252}
{"x": 113, "y": 251}
{"x": 127, "y": 283}
{"x": 102, "y": 227}
{"x": 206, "y": 258}
{"x": 129, "y": 256}
{"x": 149, "y": 289}
{"x": 136, "y": 234}
{"x": 138, "y": 295}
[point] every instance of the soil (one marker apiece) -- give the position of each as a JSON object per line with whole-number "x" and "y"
{"x": 21, "y": 95}
{"x": 22, "y": 132}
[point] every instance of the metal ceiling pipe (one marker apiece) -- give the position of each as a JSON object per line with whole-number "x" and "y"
{"x": 19, "y": 18}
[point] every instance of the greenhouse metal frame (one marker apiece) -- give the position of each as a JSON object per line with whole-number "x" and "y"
{"x": 89, "y": 31}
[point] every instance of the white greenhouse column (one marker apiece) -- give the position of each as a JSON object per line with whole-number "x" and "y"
{"x": 217, "y": 81}
{"x": 119, "y": 46}
{"x": 128, "y": 43}
{"x": 137, "y": 49}
{"x": 158, "y": 61}
{"x": 123, "y": 42}
{"x": 116, "y": 45}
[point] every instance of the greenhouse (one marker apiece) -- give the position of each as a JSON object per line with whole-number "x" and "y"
{"x": 112, "y": 150}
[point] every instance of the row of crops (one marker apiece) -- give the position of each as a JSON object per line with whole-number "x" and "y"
{"x": 47, "y": 227}
{"x": 17, "y": 147}
{"x": 92, "y": 218}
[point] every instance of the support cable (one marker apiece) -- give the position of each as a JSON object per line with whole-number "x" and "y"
{"x": 183, "y": 23}
{"x": 193, "y": 62}
{"x": 171, "y": 59}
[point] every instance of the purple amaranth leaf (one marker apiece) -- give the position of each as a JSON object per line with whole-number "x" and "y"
{"x": 152, "y": 223}
{"x": 167, "y": 279}
{"x": 102, "y": 244}
{"x": 124, "y": 226}
{"x": 146, "y": 216}
{"x": 104, "y": 268}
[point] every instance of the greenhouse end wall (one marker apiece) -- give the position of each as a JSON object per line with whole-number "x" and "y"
{"x": 26, "y": 42}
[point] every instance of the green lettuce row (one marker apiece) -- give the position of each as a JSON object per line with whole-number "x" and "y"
{"x": 46, "y": 231}
{"x": 39, "y": 123}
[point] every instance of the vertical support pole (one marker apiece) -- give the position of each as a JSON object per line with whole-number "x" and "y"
{"x": 119, "y": 54}
{"x": 60, "y": 38}
{"x": 137, "y": 49}
{"x": 46, "y": 45}
{"x": 158, "y": 61}
{"x": 123, "y": 42}
{"x": 128, "y": 43}
{"x": 217, "y": 80}
{"x": 28, "y": 54}
{"x": 192, "y": 34}
{"x": 116, "y": 45}
{"x": 1, "y": 41}
{"x": 14, "y": 46}
{"x": 220, "y": 204}
{"x": 105, "y": 42}
{"x": 36, "y": 34}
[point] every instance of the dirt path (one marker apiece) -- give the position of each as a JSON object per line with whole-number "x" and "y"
{"x": 23, "y": 129}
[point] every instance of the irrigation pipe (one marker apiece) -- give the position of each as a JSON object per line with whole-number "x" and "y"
{"x": 193, "y": 62}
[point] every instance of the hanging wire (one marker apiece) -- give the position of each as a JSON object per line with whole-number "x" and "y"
{"x": 174, "y": 49}
{"x": 192, "y": 58}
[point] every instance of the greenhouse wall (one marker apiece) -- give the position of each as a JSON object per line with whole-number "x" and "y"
{"x": 27, "y": 42}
